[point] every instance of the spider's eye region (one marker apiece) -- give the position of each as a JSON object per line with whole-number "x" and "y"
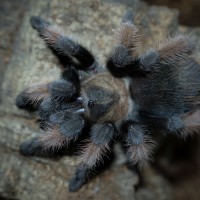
{"x": 91, "y": 104}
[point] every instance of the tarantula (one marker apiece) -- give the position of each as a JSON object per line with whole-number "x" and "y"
{"x": 134, "y": 95}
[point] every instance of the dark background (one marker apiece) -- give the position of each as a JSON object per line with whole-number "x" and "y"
{"x": 189, "y": 10}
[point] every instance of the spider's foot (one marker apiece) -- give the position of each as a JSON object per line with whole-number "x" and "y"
{"x": 29, "y": 148}
{"x": 76, "y": 183}
{"x": 22, "y": 102}
{"x": 79, "y": 178}
{"x": 38, "y": 23}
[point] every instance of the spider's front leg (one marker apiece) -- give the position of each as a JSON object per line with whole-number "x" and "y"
{"x": 68, "y": 127}
{"x": 31, "y": 97}
{"x": 64, "y": 89}
{"x": 63, "y": 46}
{"x": 101, "y": 136}
{"x": 60, "y": 120}
{"x": 127, "y": 39}
{"x": 139, "y": 143}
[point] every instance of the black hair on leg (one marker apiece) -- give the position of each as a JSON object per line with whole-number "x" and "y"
{"x": 149, "y": 61}
{"x": 63, "y": 128}
{"x": 46, "y": 108}
{"x": 121, "y": 62}
{"x": 23, "y": 102}
{"x": 67, "y": 87}
{"x": 39, "y": 24}
{"x": 62, "y": 90}
{"x": 61, "y": 44}
{"x": 60, "y": 129}
{"x": 72, "y": 126}
{"x": 127, "y": 39}
{"x": 71, "y": 75}
{"x": 80, "y": 177}
{"x": 128, "y": 17}
{"x": 101, "y": 136}
{"x": 31, "y": 147}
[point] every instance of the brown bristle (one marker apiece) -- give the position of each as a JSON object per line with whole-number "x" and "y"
{"x": 142, "y": 153}
{"x": 52, "y": 139}
{"x": 174, "y": 49}
{"x": 52, "y": 33}
{"x": 38, "y": 92}
{"x": 92, "y": 154}
{"x": 128, "y": 35}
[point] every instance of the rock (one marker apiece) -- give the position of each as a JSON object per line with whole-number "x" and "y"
{"x": 27, "y": 60}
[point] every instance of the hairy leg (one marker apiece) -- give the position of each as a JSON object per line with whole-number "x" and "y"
{"x": 62, "y": 45}
{"x": 66, "y": 88}
{"x": 124, "y": 61}
{"x": 139, "y": 143}
{"x": 172, "y": 52}
{"x": 46, "y": 143}
{"x": 101, "y": 136}
{"x": 127, "y": 39}
{"x": 32, "y": 96}
{"x": 64, "y": 129}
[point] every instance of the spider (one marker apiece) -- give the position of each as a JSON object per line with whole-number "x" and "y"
{"x": 134, "y": 96}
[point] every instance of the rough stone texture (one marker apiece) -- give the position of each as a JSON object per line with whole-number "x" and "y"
{"x": 24, "y": 59}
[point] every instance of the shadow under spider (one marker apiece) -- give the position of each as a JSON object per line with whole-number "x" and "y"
{"x": 176, "y": 159}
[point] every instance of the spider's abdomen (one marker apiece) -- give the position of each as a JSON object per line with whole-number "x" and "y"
{"x": 168, "y": 91}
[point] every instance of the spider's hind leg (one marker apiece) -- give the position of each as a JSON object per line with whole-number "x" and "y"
{"x": 44, "y": 144}
{"x": 101, "y": 136}
{"x": 63, "y": 46}
{"x": 139, "y": 143}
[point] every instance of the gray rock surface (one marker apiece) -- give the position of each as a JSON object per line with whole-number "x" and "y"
{"x": 24, "y": 59}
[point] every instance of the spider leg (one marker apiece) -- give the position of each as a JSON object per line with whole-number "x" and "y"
{"x": 32, "y": 96}
{"x": 101, "y": 136}
{"x": 47, "y": 142}
{"x": 62, "y": 45}
{"x": 124, "y": 61}
{"x": 64, "y": 129}
{"x": 31, "y": 147}
{"x": 174, "y": 51}
{"x": 139, "y": 143}
{"x": 121, "y": 62}
{"x": 127, "y": 39}
{"x": 66, "y": 88}
{"x": 39, "y": 24}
